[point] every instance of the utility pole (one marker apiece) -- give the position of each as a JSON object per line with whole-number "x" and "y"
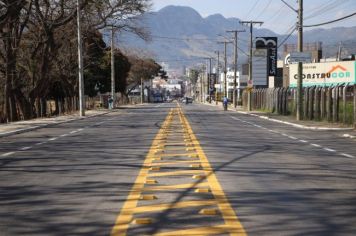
{"x": 113, "y": 67}
{"x": 80, "y": 63}
{"x": 225, "y": 67}
{"x": 209, "y": 80}
{"x": 251, "y": 24}
{"x": 217, "y": 77}
{"x": 300, "y": 65}
{"x": 235, "y": 65}
{"x": 142, "y": 92}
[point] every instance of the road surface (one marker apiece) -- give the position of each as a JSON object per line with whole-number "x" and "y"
{"x": 163, "y": 169}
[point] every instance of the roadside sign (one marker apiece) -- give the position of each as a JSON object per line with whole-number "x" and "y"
{"x": 304, "y": 57}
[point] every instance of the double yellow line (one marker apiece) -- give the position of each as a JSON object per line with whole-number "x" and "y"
{"x": 144, "y": 183}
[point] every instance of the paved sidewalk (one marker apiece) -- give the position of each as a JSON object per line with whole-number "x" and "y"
{"x": 29, "y": 125}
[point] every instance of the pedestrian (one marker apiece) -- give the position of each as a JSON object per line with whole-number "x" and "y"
{"x": 225, "y": 101}
{"x": 110, "y": 102}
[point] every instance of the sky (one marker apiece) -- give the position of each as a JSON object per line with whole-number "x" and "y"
{"x": 274, "y": 13}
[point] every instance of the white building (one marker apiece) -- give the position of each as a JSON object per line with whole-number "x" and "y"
{"x": 241, "y": 82}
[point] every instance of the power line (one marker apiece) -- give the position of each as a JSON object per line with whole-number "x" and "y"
{"x": 326, "y": 8}
{"x": 253, "y": 7}
{"x": 332, "y": 21}
{"x": 264, "y": 9}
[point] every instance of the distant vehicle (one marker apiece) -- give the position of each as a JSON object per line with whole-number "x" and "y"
{"x": 157, "y": 98}
{"x": 188, "y": 100}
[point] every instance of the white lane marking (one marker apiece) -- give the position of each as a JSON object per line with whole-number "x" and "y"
{"x": 347, "y": 155}
{"x": 25, "y": 148}
{"x": 8, "y": 154}
{"x": 37, "y": 144}
{"x": 74, "y": 131}
{"x": 80, "y": 130}
{"x": 329, "y": 150}
{"x": 52, "y": 139}
{"x": 64, "y": 135}
{"x": 292, "y": 137}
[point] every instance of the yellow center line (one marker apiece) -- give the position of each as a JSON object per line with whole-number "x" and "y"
{"x": 176, "y": 186}
{"x": 126, "y": 215}
{"x": 210, "y": 184}
{"x": 227, "y": 212}
{"x": 174, "y": 205}
{"x": 178, "y": 172}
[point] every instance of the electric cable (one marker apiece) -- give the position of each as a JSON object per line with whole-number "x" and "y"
{"x": 330, "y": 22}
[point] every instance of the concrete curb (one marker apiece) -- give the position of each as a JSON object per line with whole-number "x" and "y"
{"x": 24, "y": 130}
{"x": 285, "y": 122}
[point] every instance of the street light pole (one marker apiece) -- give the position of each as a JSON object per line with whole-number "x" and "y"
{"x": 113, "y": 67}
{"x": 80, "y": 63}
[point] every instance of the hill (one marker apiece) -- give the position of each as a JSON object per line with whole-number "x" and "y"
{"x": 181, "y": 36}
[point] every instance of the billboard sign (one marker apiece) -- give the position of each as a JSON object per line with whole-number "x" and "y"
{"x": 259, "y": 68}
{"x": 269, "y": 43}
{"x": 304, "y": 57}
{"x": 324, "y": 74}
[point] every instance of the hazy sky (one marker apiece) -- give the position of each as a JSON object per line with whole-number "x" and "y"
{"x": 276, "y": 15}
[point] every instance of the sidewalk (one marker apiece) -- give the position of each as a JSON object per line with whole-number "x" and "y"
{"x": 290, "y": 120}
{"x": 29, "y": 125}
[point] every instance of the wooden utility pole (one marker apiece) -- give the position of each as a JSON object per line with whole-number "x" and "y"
{"x": 235, "y": 65}
{"x": 250, "y": 24}
{"x": 300, "y": 65}
{"x": 225, "y": 67}
{"x": 217, "y": 77}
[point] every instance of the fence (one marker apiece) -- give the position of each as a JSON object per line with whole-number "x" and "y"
{"x": 333, "y": 104}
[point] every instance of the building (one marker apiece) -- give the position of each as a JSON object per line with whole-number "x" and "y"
{"x": 324, "y": 73}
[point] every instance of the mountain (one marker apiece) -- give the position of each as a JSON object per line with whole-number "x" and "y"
{"x": 181, "y": 36}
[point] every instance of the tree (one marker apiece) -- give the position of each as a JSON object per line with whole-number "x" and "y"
{"x": 38, "y": 49}
{"x": 141, "y": 69}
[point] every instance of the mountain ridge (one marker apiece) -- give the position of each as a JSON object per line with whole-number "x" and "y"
{"x": 178, "y": 34}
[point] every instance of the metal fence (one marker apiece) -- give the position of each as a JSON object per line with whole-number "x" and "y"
{"x": 333, "y": 104}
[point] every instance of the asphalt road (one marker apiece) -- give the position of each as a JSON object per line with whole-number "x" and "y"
{"x": 73, "y": 178}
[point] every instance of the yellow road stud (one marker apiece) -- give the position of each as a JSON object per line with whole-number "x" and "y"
{"x": 157, "y": 159}
{"x": 198, "y": 176}
{"x": 190, "y": 149}
{"x": 148, "y": 197}
{"x": 209, "y": 212}
{"x": 142, "y": 221}
{"x": 194, "y": 156}
{"x": 195, "y": 166}
{"x": 155, "y": 168}
{"x": 202, "y": 190}
{"x": 151, "y": 181}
